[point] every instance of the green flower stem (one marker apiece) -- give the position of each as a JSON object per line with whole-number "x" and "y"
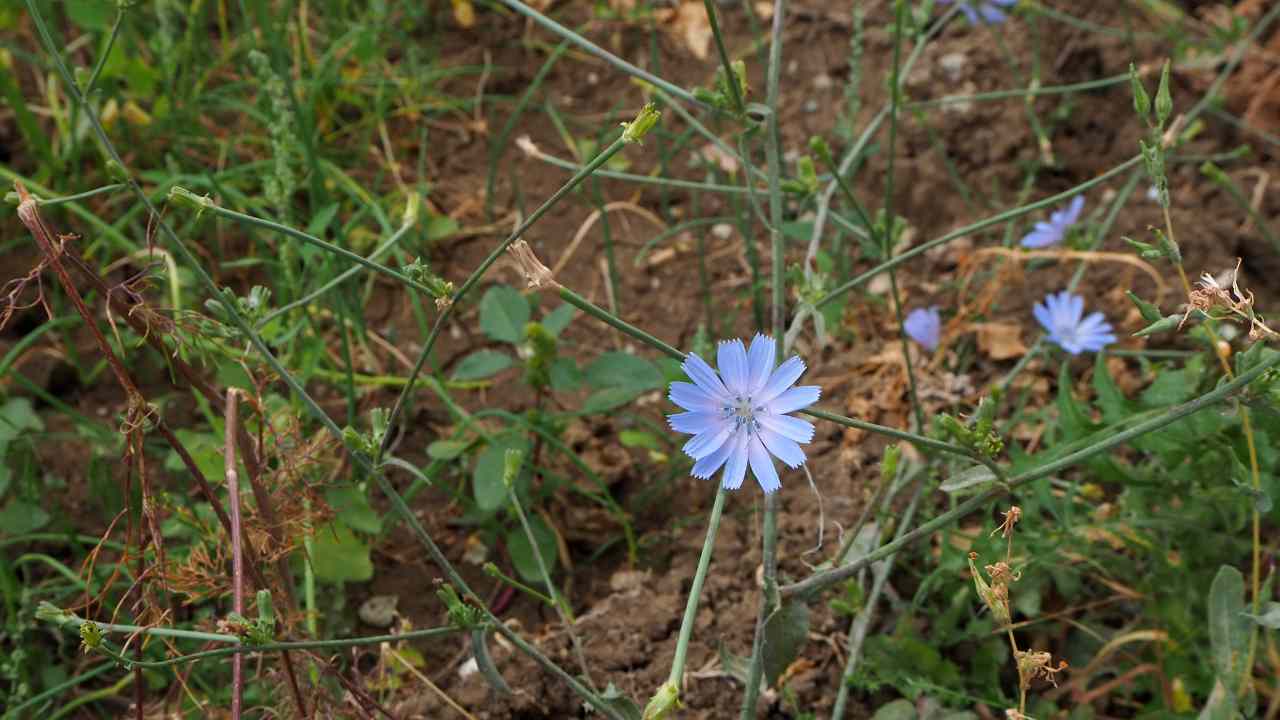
{"x": 730, "y": 78}
{"x": 242, "y": 648}
{"x": 1098, "y": 84}
{"x": 310, "y": 239}
{"x": 695, "y": 592}
{"x": 600, "y": 52}
{"x": 49, "y": 202}
{"x": 820, "y": 581}
{"x": 609, "y": 318}
{"x": 75, "y": 621}
{"x": 650, "y": 179}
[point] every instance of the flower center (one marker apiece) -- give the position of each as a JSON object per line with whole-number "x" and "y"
{"x": 742, "y": 413}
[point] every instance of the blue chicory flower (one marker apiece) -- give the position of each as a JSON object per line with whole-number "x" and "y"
{"x": 1055, "y": 231}
{"x": 924, "y": 326}
{"x": 1062, "y": 315}
{"x": 738, "y": 416}
{"x": 983, "y": 11}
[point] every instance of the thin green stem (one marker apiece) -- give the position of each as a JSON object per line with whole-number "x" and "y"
{"x": 730, "y": 78}
{"x": 676, "y": 677}
{"x": 887, "y": 237}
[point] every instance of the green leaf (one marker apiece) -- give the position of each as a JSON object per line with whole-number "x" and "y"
{"x": 784, "y": 634}
{"x": 1228, "y": 628}
{"x": 522, "y": 552}
{"x": 1221, "y": 704}
{"x": 320, "y": 221}
{"x": 970, "y": 479}
{"x": 20, "y": 516}
{"x": 639, "y": 438}
{"x": 1072, "y": 417}
{"x": 339, "y": 556}
{"x": 440, "y": 227}
{"x": 565, "y": 375}
{"x": 605, "y": 400}
{"x": 503, "y": 314}
{"x": 91, "y": 14}
{"x": 205, "y": 448}
{"x": 623, "y": 370}
{"x": 17, "y": 417}
{"x": 447, "y": 449}
{"x": 557, "y": 320}
{"x": 1115, "y": 407}
{"x": 481, "y": 364}
{"x": 351, "y": 506}
{"x": 486, "y": 479}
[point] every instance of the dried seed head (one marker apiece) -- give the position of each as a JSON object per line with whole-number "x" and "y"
{"x": 1033, "y": 664}
{"x": 535, "y": 273}
{"x": 996, "y": 597}
{"x": 1011, "y": 518}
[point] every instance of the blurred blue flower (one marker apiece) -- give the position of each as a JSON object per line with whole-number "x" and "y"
{"x": 1062, "y": 315}
{"x": 924, "y": 326}
{"x": 1055, "y": 231}
{"x": 738, "y": 416}
{"x": 983, "y": 11}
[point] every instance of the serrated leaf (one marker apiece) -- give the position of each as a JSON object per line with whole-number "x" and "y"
{"x": 614, "y": 370}
{"x": 481, "y": 364}
{"x": 1228, "y": 630}
{"x": 521, "y": 551}
{"x": 351, "y": 506}
{"x": 339, "y": 556}
{"x": 784, "y": 634}
{"x": 503, "y": 314}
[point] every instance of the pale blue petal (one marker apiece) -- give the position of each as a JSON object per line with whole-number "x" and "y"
{"x": 762, "y": 466}
{"x": 1072, "y": 214}
{"x": 703, "y": 376}
{"x": 794, "y": 399}
{"x": 781, "y": 379}
{"x": 691, "y": 397}
{"x": 731, "y": 359}
{"x": 923, "y": 326}
{"x": 784, "y": 448}
{"x": 1039, "y": 238}
{"x": 787, "y": 426}
{"x": 992, "y": 15}
{"x": 1043, "y": 315}
{"x": 736, "y": 468}
{"x": 705, "y": 443}
{"x": 760, "y": 360}
{"x": 695, "y": 422}
{"x": 707, "y": 466}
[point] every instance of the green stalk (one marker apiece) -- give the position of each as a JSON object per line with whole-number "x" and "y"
{"x": 670, "y": 691}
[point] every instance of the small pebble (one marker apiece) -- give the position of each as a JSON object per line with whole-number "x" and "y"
{"x": 811, "y": 106}
{"x": 823, "y": 81}
{"x": 952, "y": 65}
{"x": 379, "y": 610}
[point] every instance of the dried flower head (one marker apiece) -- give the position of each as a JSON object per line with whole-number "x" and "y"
{"x": 1011, "y": 518}
{"x": 1033, "y": 664}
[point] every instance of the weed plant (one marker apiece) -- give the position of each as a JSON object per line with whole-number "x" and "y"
{"x": 211, "y": 203}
